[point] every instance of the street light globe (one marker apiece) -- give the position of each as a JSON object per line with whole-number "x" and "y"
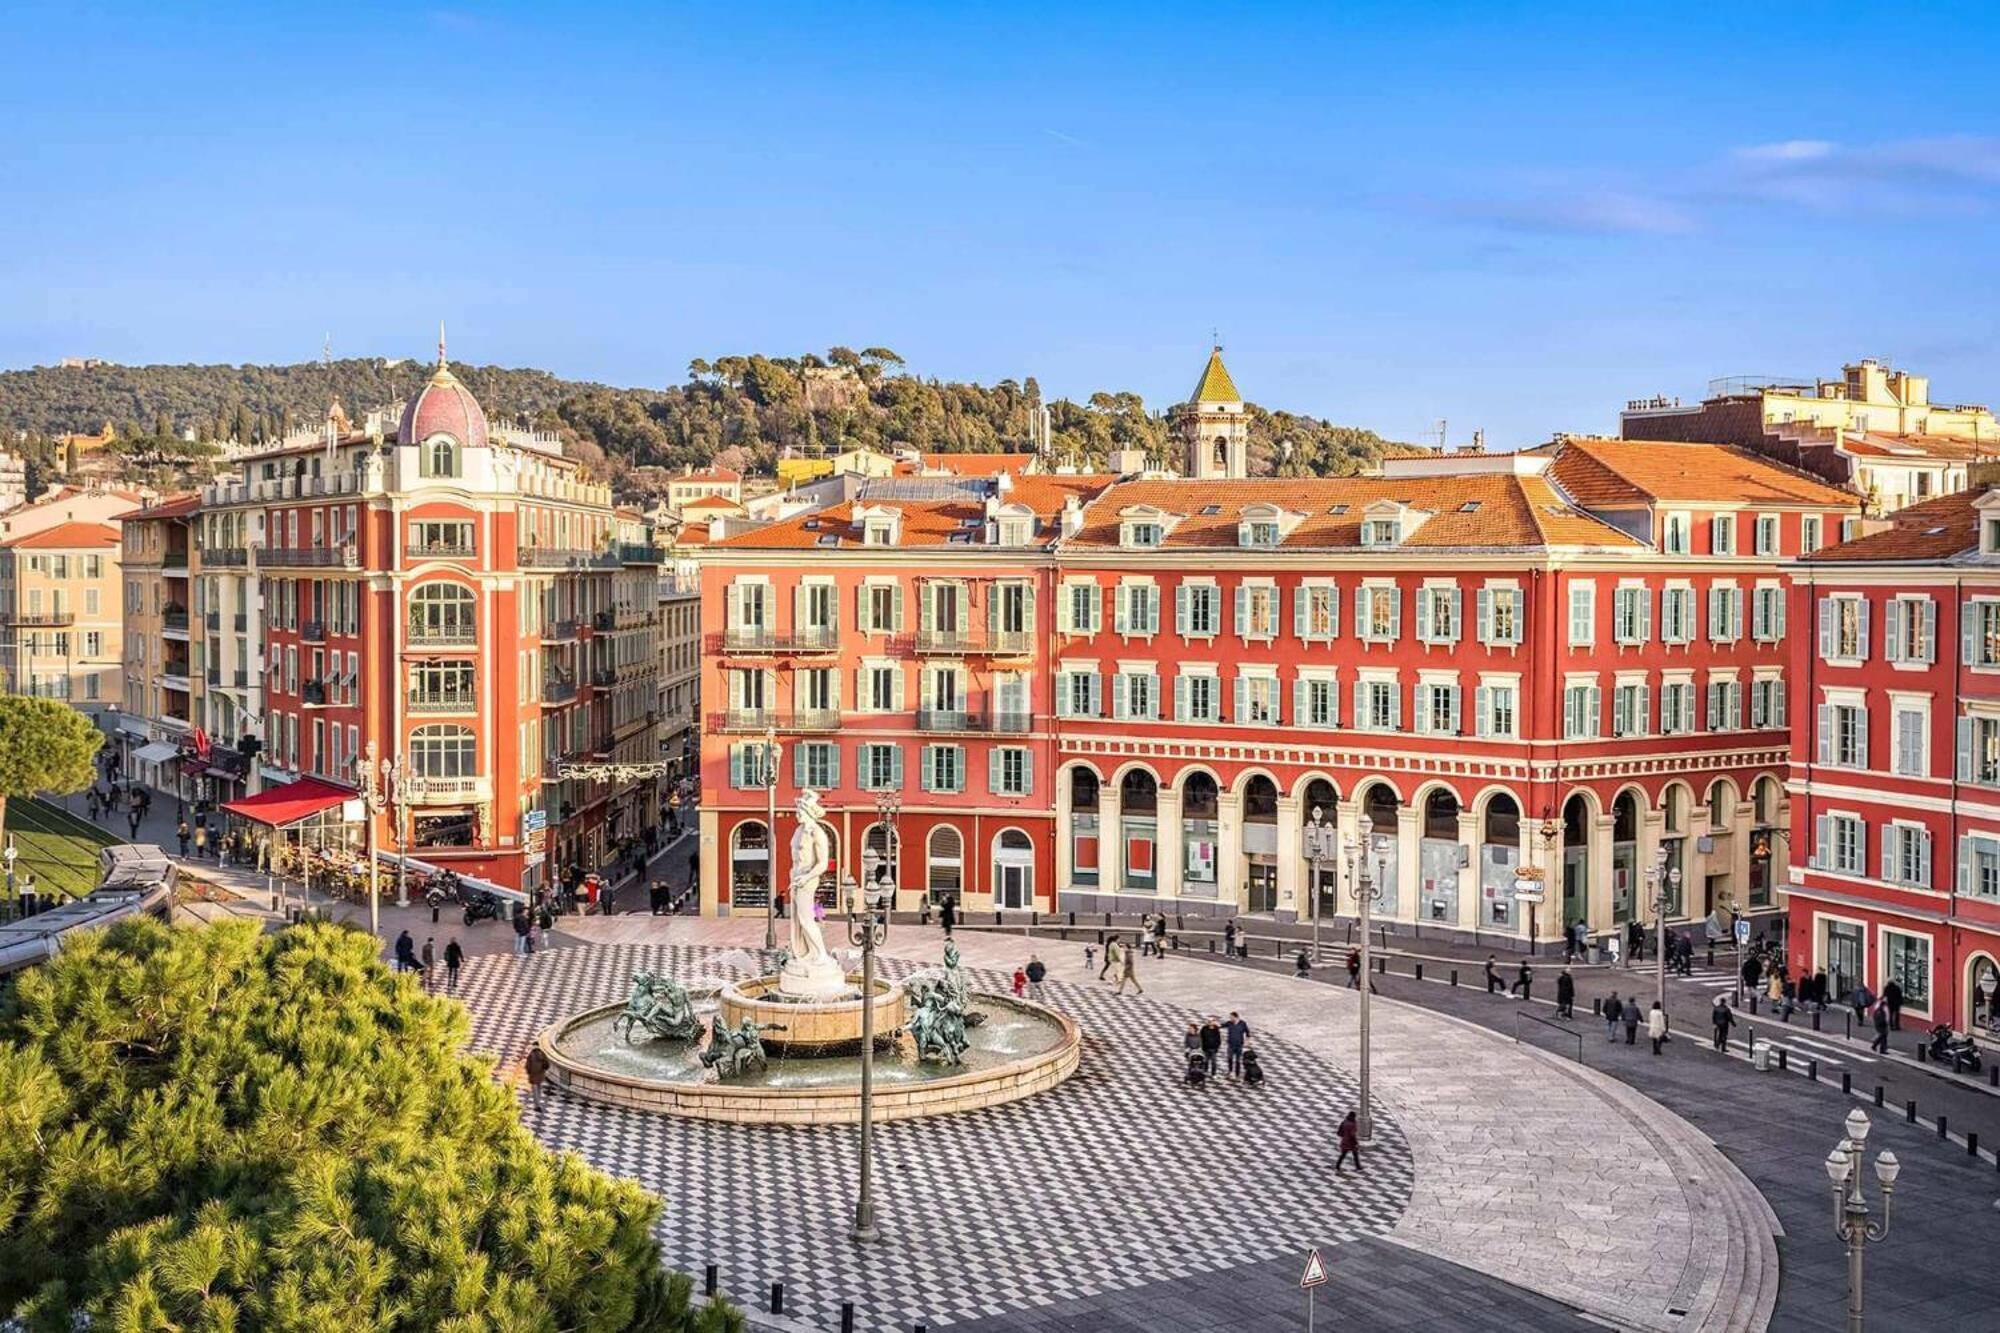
{"x": 1837, "y": 1166}
{"x": 1857, "y": 1127}
{"x": 1887, "y": 1168}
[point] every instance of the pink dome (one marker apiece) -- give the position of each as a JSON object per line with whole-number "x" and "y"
{"x": 443, "y": 407}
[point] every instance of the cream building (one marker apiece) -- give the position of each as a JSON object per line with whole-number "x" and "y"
{"x": 162, "y": 686}
{"x": 59, "y": 614}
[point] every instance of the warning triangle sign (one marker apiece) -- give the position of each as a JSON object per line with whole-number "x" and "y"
{"x": 1315, "y": 1273}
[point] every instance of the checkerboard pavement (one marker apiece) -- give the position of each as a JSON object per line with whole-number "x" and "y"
{"x": 1119, "y": 1178}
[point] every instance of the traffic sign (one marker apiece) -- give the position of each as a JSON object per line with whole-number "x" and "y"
{"x": 1742, "y": 931}
{"x": 1315, "y": 1273}
{"x": 536, "y": 820}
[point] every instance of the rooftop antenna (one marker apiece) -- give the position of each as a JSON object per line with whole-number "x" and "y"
{"x": 440, "y": 344}
{"x": 1441, "y": 434}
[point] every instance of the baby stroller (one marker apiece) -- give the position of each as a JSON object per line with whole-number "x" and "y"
{"x": 1253, "y": 1072}
{"x": 1197, "y": 1070}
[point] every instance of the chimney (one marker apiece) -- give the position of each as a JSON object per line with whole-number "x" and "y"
{"x": 1072, "y": 516}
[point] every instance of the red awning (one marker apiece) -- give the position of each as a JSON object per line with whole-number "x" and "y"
{"x": 279, "y": 806}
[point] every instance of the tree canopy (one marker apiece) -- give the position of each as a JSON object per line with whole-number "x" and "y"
{"x": 218, "y": 1131}
{"x": 45, "y": 746}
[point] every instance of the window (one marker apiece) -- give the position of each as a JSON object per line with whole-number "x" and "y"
{"x": 1676, "y": 707}
{"x": 1767, "y": 614}
{"x": 1438, "y": 615}
{"x": 1674, "y": 539}
{"x": 1378, "y": 705}
{"x": 1910, "y": 629}
{"x": 1138, "y": 609}
{"x": 1912, "y": 758}
{"x": 881, "y": 688}
{"x": 1496, "y": 705}
{"x": 1083, "y": 607}
{"x": 1316, "y": 703}
{"x": 1906, "y": 960}
{"x": 1316, "y": 612}
{"x": 945, "y": 873}
{"x": 1632, "y": 615}
{"x": 1582, "y": 704}
{"x": 1011, "y": 773}
{"x": 1677, "y": 614}
{"x": 1843, "y": 735}
{"x": 1842, "y": 842}
{"x": 881, "y": 608}
{"x": 1722, "y": 534}
{"x": 1631, "y": 710}
{"x": 1982, "y": 633}
{"x": 1257, "y": 700}
{"x": 881, "y": 767}
{"x": 1437, "y": 708}
{"x": 1195, "y": 697}
{"x": 816, "y": 612}
{"x": 1906, "y": 855}
{"x": 438, "y": 458}
{"x": 1256, "y": 611}
{"x": 816, "y": 764}
{"x": 1381, "y": 532}
{"x": 1078, "y": 694}
{"x": 1198, "y": 610}
{"x": 1499, "y": 616}
{"x": 943, "y": 768}
{"x": 442, "y": 613}
{"x": 1809, "y": 534}
{"x": 434, "y": 538}
{"x": 1725, "y": 705}
{"x": 1260, "y": 533}
{"x": 1011, "y": 609}
{"x": 1582, "y": 615}
{"x": 1843, "y": 628}
{"x": 443, "y": 685}
{"x": 1979, "y": 750}
{"x": 442, "y": 751}
{"x": 1979, "y": 865}
{"x": 1767, "y": 534}
{"x": 1378, "y": 614}
{"x": 1143, "y": 534}
{"x": 1725, "y": 613}
{"x": 1135, "y": 694}
{"x": 1767, "y": 704}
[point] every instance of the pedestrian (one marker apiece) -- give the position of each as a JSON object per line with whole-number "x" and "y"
{"x": 1819, "y": 989}
{"x": 1751, "y": 971}
{"x": 1612, "y": 1010}
{"x": 1881, "y": 1042}
{"x": 948, "y": 913}
{"x": 520, "y": 930}
{"x": 1159, "y": 935}
{"x": 1569, "y": 943}
{"x": 183, "y": 833}
{"x": 1020, "y": 983}
{"x": 1110, "y": 958}
{"x": 1774, "y": 987}
{"x": 1235, "y": 1033}
{"x": 201, "y": 839}
{"x": 1524, "y": 982}
{"x": 454, "y": 958}
{"x": 538, "y": 1072}
{"x": 1656, "y": 1026}
{"x": 427, "y": 958}
{"x": 1229, "y": 938}
{"x": 1565, "y": 995}
{"x": 1492, "y": 976}
{"x": 1090, "y": 957}
{"x": 1630, "y": 1016}
{"x": 1892, "y": 1000}
{"x": 90, "y": 802}
{"x": 1354, "y": 970}
{"x": 1787, "y": 998}
{"x": 1191, "y": 1044}
{"x": 1863, "y": 1000}
{"x": 1129, "y": 971}
{"x": 1350, "y": 1144}
{"x": 1636, "y": 932}
{"x": 1146, "y": 934}
{"x": 132, "y": 820}
{"x": 1722, "y": 1018}
{"x": 1211, "y": 1042}
{"x": 1302, "y": 965}
{"x": 406, "y": 953}
{"x": 1037, "y": 971}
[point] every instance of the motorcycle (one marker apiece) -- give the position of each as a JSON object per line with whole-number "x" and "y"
{"x": 442, "y": 889}
{"x": 1956, "y": 1053}
{"x": 481, "y": 907}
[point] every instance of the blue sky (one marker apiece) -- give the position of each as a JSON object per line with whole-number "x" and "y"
{"x": 1509, "y": 216}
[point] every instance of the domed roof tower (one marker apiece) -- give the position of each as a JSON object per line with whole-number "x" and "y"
{"x": 443, "y": 407}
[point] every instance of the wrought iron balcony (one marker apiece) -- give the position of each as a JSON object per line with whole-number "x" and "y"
{"x": 441, "y": 550}
{"x": 54, "y": 618}
{"x": 974, "y": 720}
{"x": 558, "y": 691}
{"x": 225, "y": 557}
{"x": 443, "y": 636}
{"x": 559, "y": 631}
{"x": 311, "y": 557}
{"x": 565, "y": 557}
{"x": 313, "y": 631}
{"x": 757, "y": 642}
{"x": 975, "y": 642}
{"x": 604, "y": 621}
{"x": 444, "y": 701}
{"x": 313, "y": 693}
{"x": 175, "y": 622}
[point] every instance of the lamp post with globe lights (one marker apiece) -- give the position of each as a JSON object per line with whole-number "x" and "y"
{"x": 1364, "y": 875}
{"x": 1665, "y": 883}
{"x": 1322, "y": 848}
{"x": 867, "y": 928}
{"x": 1852, "y": 1221}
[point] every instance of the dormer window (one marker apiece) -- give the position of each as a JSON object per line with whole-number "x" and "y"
{"x": 878, "y": 532}
{"x": 1382, "y": 532}
{"x": 1989, "y": 536}
{"x": 1013, "y": 531}
{"x": 1259, "y": 533}
{"x": 1143, "y": 534}
{"x": 439, "y": 457}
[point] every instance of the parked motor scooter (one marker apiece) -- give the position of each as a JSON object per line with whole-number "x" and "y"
{"x": 1960, "y": 1054}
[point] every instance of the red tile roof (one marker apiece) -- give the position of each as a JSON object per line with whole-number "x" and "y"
{"x": 66, "y": 536}
{"x": 174, "y": 506}
{"x": 978, "y": 465}
{"x": 709, "y": 474}
{"x": 1917, "y": 448}
{"x": 1610, "y": 474}
{"x": 924, "y": 522}
{"x": 1936, "y": 529}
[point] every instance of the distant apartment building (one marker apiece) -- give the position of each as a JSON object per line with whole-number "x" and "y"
{"x": 59, "y": 613}
{"x": 1874, "y": 430}
{"x": 709, "y": 483}
{"x": 161, "y": 682}
{"x": 13, "y": 481}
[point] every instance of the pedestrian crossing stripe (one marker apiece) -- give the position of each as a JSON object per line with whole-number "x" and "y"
{"x": 1315, "y": 1273}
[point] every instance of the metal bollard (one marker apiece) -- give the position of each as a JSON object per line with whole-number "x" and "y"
{"x": 1993, "y": 1075}
{"x": 1781, "y": 1059}
{"x": 1878, "y": 1094}
{"x": 1941, "y": 1133}
{"x": 1815, "y": 1020}
{"x": 1812, "y": 1070}
{"x": 1910, "y": 1111}
{"x": 1211, "y": 944}
{"x": 1753, "y": 1002}
{"x": 996, "y": 919}
{"x": 1846, "y": 1082}
{"x": 1107, "y": 918}
{"x": 1923, "y": 1056}
{"x": 1454, "y": 981}
{"x": 1972, "y": 1144}
{"x": 1420, "y": 971}
{"x": 1035, "y": 918}
{"x": 777, "y": 1298}
{"x": 1072, "y": 918}
{"x": 1100, "y": 937}
{"x": 709, "y": 1280}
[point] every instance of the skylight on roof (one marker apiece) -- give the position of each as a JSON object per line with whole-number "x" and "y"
{"x": 812, "y": 525}
{"x": 1933, "y": 532}
{"x": 1337, "y": 510}
{"x": 959, "y": 538}
{"x": 1211, "y": 509}
{"x": 830, "y": 539}
{"x": 1469, "y": 507}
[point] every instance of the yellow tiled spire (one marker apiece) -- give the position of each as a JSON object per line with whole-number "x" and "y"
{"x": 1215, "y": 385}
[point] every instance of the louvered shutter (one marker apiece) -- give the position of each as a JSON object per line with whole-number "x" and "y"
{"x": 1424, "y": 617}
{"x": 1924, "y": 859}
{"x": 926, "y": 767}
{"x": 1028, "y": 610}
{"x": 736, "y": 766}
{"x": 801, "y": 614}
{"x": 1823, "y": 841}
{"x": 1242, "y": 712}
{"x": 833, "y": 765}
{"x": 1715, "y": 705}
{"x": 1644, "y": 598}
{"x": 1062, "y": 694}
{"x": 1889, "y": 866}
{"x": 1422, "y": 703}
{"x": 1094, "y": 690}
{"x": 1927, "y": 636}
{"x": 896, "y": 604}
{"x": 1242, "y": 612}
{"x": 1866, "y": 641}
{"x": 896, "y": 686}
{"x": 1483, "y": 607}
{"x": 1893, "y": 612}
{"x": 1965, "y": 863}
{"x": 1826, "y": 628}
{"x": 1395, "y": 614}
{"x": 993, "y": 772}
{"x": 799, "y": 765}
{"x": 1825, "y": 726}
{"x": 993, "y": 599}
{"x": 1181, "y": 609}
{"x": 1965, "y": 739}
{"x": 1452, "y": 696}
{"x": 1968, "y": 633}
{"x": 1862, "y": 734}
{"x": 1457, "y": 615}
{"x": 735, "y": 612}
{"x": 1395, "y": 706}
{"x": 1361, "y": 718}
{"x": 1481, "y": 713}
{"x": 1777, "y": 613}
{"x": 1642, "y": 720}
{"x": 1121, "y": 615}
{"x": 961, "y": 603}
{"x": 1594, "y": 706}
{"x": 1118, "y": 696}
{"x": 1301, "y": 600}
{"x": 861, "y": 621}
{"x": 1361, "y": 621}
{"x": 1301, "y": 704}
{"x": 1332, "y": 612}
{"x": 896, "y": 767}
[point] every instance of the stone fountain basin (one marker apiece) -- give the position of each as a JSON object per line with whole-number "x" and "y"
{"x": 814, "y": 1027}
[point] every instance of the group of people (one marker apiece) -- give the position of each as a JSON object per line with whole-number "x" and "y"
{"x": 1626, "y": 1013}
{"x": 409, "y": 959}
{"x": 1028, "y": 978}
{"x": 1211, "y": 1037}
{"x": 107, "y": 798}
{"x": 1119, "y": 957}
{"x": 1153, "y": 934}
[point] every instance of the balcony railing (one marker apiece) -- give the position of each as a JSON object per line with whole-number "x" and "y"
{"x": 175, "y": 677}
{"x": 445, "y": 791}
{"x": 443, "y": 636}
{"x": 566, "y": 557}
{"x": 55, "y": 618}
{"x": 444, "y": 701}
{"x": 763, "y": 719}
{"x": 604, "y": 621}
{"x": 242, "y": 681}
{"x": 640, "y": 553}
{"x": 215, "y": 677}
{"x": 558, "y": 691}
{"x": 977, "y": 720}
{"x": 603, "y": 678}
{"x": 313, "y": 693}
{"x": 313, "y": 631}
{"x": 225, "y": 557}
{"x": 975, "y": 642}
{"x": 213, "y": 620}
{"x": 242, "y": 621}
{"x": 174, "y": 560}
{"x": 175, "y": 622}
{"x": 311, "y": 557}
{"x": 763, "y": 642}
{"x": 441, "y": 550}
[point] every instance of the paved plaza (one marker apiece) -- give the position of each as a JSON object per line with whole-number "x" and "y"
{"x": 1122, "y": 1191}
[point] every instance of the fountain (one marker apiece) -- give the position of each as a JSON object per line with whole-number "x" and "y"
{"x": 783, "y": 1047}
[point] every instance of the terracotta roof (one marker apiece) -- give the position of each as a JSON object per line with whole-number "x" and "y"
{"x": 1215, "y": 386}
{"x": 978, "y": 465}
{"x": 712, "y": 502}
{"x": 1936, "y": 529}
{"x": 1936, "y": 448}
{"x": 67, "y": 536}
{"x": 174, "y": 506}
{"x": 924, "y": 522}
{"x": 709, "y": 474}
{"x": 1608, "y": 474}
{"x": 1473, "y": 510}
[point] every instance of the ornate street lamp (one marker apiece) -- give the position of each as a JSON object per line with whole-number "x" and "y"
{"x": 1365, "y": 878}
{"x": 373, "y": 800}
{"x": 1851, "y": 1221}
{"x": 867, "y": 928}
{"x": 1664, "y": 883}
{"x": 1322, "y": 847}
{"x": 400, "y": 783}
{"x": 771, "y": 841}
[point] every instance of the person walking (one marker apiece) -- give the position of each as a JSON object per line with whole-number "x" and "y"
{"x": 1020, "y": 983}
{"x": 201, "y": 840}
{"x": 520, "y": 930}
{"x": 1111, "y": 950}
{"x": 406, "y": 953}
{"x": 1565, "y": 995}
{"x": 1037, "y": 973}
{"x": 1569, "y": 943}
{"x": 1613, "y": 1009}
{"x": 1159, "y": 934}
{"x": 538, "y": 1072}
{"x": 428, "y": 958}
{"x": 1354, "y": 969}
{"x": 1863, "y": 1000}
{"x": 1722, "y": 1018}
{"x": 132, "y": 820}
{"x": 948, "y": 913}
{"x": 183, "y": 833}
{"x": 1892, "y": 1000}
{"x": 1235, "y": 1033}
{"x": 1211, "y": 1042}
{"x": 90, "y": 802}
{"x": 1881, "y": 1042}
{"x": 1229, "y": 938}
{"x": 1630, "y": 1016}
{"x": 1492, "y": 976}
{"x": 1128, "y": 970}
{"x": 454, "y": 958}
{"x": 1302, "y": 965}
{"x": 1350, "y": 1144}
{"x": 1191, "y": 1044}
{"x": 1524, "y": 983}
{"x": 1656, "y": 1026}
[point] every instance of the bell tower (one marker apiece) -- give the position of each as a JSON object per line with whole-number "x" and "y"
{"x": 1213, "y": 432}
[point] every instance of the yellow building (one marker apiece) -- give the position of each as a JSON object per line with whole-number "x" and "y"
{"x": 162, "y": 686}
{"x": 59, "y": 615}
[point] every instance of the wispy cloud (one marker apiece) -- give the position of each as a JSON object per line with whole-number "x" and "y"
{"x": 1069, "y": 140}
{"x": 1582, "y": 212}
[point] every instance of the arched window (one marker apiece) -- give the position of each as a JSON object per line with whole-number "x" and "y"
{"x": 443, "y": 613}
{"x": 440, "y": 457}
{"x": 1013, "y": 870}
{"x": 444, "y": 751}
{"x": 945, "y": 857}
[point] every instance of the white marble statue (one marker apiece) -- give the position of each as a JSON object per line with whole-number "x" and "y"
{"x": 812, "y": 972}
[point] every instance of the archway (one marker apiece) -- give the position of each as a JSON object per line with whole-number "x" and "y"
{"x": 1982, "y": 988}
{"x": 1624, "y": 856}
{"x": 1323, "y": 860}
{"x": 1766, "y": 819}
{"x": 944, "y": 864}
{"x": 1200, "y": 808}
{"x": 749, "y": 864}
{"x": 1719, "y": 886}
{"x": 881, "y": 855}
{"x": 1439, "y": 855}
{"x": 828, "y": 894}
{"x": 1577, "y": 827}
{"x": 1674, "y": 844}
{"x": 1084, "y": 838}
{"x": 1379, "y": 806}
{"x": 1499, "y": 852}
{"x": 1260, "y": 844}
{"x": 1138, "y": 828}
{"x": 1013, "y": 870}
